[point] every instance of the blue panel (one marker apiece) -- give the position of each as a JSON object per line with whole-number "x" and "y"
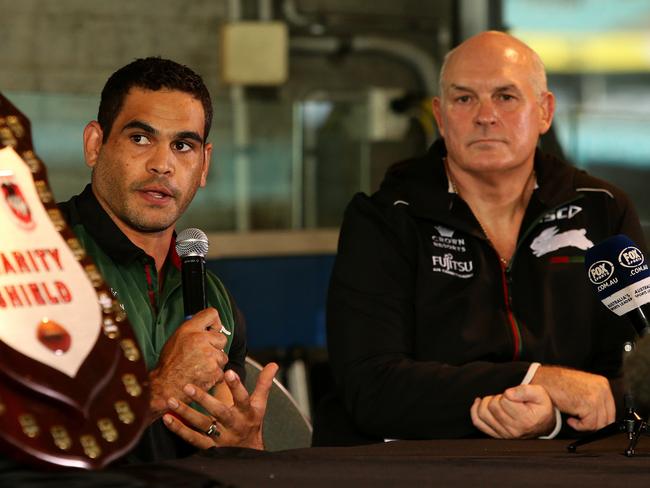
{"x": 283, "y": 298}
{"x": 575, "y": 16}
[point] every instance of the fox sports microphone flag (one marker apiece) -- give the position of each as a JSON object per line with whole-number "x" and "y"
{"x": 619, "y": 272}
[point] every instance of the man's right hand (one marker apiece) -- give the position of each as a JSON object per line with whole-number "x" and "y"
{"x": 586, "y": 397}
{"x": 193, "y": 354}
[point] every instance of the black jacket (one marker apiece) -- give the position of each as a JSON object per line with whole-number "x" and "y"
{"x": 422, "y": 317}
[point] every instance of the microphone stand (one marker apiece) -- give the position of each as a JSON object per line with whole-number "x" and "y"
{"x": 632, "y": 423}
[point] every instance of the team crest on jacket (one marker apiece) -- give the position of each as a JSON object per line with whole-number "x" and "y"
{"x": 452, "y": 258}
{"x": 17, "y": 204}
{"x": 550, "y": 240}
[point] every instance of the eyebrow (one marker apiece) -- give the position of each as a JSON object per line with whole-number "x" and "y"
{"x": 454, "y": 86}
{"x": 190, "y": 135}
{"x": 510, "y": 86}
{"x": 138, "y": 124}
{"x": 507, "y": 87}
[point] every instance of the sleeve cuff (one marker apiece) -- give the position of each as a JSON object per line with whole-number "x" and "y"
{"x": 558, "y": 426}
{"x": 532, "y": 369}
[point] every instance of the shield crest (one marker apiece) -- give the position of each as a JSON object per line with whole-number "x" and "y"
{"x": 14, "y": 199}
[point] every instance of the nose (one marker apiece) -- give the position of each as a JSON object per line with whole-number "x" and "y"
{"x": 485, "y": 113}
{"x": 161, "y": 161}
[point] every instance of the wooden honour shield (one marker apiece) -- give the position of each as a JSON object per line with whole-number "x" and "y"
{"x": 73, "y": 383}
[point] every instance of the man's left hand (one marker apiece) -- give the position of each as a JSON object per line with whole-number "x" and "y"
{"x": 239, "y": 424}
{"x": 521, "y": 412}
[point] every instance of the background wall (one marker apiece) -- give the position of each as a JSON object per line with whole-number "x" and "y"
{"x": 289, "y": 157}
{"x": 58, "y": 54}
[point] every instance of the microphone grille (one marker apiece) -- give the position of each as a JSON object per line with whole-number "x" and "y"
{"x": 192, "y": 242}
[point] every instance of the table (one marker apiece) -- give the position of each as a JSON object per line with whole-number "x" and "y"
{"x": 470, "y": 462}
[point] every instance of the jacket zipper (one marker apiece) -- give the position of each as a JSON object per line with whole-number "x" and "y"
{"x": 506, "y": 279}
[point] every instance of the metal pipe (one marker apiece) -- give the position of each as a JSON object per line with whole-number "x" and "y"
{"x": 241, "y": 140}
{"x": 297, "y": 167}
{"x": 265, "y": 10}
{"x": 297, "y": 19}
{"x": 234, "y": 10}
{"x": 406, "y": 52}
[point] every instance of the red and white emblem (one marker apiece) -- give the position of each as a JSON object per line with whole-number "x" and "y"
{"x": 16, "y": 202}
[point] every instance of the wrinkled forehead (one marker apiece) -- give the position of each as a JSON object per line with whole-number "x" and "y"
{"x": 162, "y": 109}
{"x": 489, "y": 68}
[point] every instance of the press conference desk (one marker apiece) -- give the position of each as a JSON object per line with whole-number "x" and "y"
{"x": 476, "y": 462}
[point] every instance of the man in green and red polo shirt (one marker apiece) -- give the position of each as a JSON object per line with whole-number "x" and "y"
{"x": 149, "y": 155}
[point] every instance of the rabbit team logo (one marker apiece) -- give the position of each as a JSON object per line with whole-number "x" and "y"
{"x": 17, "y": 204}
{"x": 550, "y": 240}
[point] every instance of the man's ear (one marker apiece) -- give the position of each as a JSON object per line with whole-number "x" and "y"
{"x": 93, "y": 136}
{"x": 546, "y": 112}
{"x": 207, "y": 155}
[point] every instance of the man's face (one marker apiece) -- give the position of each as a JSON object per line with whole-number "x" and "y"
{"x": 490, "y": 113}
{"x": 148, "y": 170}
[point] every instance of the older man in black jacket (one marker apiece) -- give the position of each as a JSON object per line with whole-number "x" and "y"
{"x": 458, "y": 302}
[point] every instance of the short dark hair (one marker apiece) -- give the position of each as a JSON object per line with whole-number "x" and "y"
{"x": 153, "y": 73}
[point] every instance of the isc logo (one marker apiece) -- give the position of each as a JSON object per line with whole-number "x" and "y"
{"x": 630, "y": 257}
{"x": 600, "y": 272}
{"x": 562, "y": 213}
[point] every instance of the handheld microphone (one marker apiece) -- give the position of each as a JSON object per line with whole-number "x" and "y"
{"x": 192, "y": 246}
{"x": 619, "y": 272}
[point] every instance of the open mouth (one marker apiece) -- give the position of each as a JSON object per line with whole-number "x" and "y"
{"x": 159, "y": 194}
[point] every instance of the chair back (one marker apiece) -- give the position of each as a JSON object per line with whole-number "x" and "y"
{"x": 285, "y": 426}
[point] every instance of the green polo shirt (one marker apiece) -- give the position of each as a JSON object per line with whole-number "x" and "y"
{"x": 155, "y": 310}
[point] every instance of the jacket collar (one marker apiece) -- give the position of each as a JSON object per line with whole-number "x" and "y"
{"x": 423, "y": 183}
{"x": 86, "y": 210}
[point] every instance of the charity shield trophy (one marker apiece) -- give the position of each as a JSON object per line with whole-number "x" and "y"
{"x": 73, "y": 384}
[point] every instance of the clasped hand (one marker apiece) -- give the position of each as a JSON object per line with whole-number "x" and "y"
{"x": 520, "y": 412}
{"x": 526, "y": 411}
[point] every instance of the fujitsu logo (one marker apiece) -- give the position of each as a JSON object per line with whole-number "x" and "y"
{"x": 448, "y": 265}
